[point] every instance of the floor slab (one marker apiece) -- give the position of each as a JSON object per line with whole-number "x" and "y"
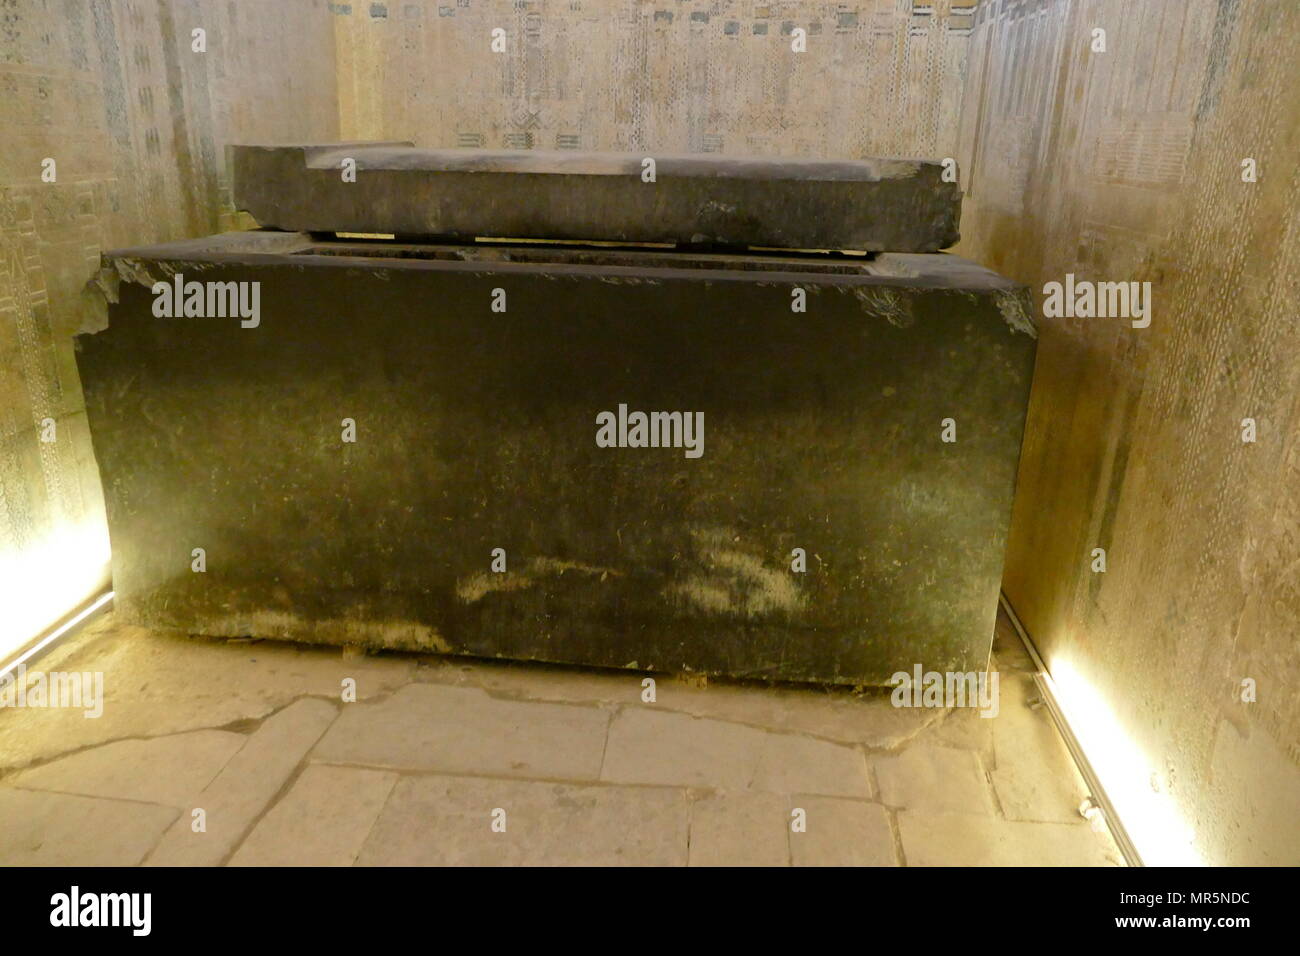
{"x": 453, "y": 729}
{"x": 583, "y": 767}
{"x": 322, "y": 821}
{"x": 56, "y": 829}
{"x": 651, "y": 747}
{"x": 449, "y": 821}
{"x": 164, "y": 770}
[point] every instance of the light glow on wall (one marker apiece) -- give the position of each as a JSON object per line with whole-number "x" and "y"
{"x": 42, "y": 583}
{"x": 1153, "y": 820}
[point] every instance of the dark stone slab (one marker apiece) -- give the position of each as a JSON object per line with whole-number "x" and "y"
{"x": 477, "y": 430}
{"x": 899, "y": 205}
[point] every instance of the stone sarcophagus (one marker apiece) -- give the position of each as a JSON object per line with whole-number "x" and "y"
{"x": 770, "y": 464}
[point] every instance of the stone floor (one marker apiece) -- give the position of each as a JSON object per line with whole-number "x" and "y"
{"x": 436, "y": 755}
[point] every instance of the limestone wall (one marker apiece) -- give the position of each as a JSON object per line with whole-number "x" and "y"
{"x": 1127, "y": 166}
{"x": 135, "y": 120}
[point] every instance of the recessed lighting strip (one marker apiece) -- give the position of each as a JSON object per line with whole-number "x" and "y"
{"x": 1047, "y": 689}
{"x": 44, "y": 642}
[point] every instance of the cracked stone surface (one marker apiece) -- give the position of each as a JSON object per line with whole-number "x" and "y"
{"x": 964, "y": 839}
{"x": 180, "y": 766}
{"x": 843, "y": 833}
{"x": 740, "y": 829}
{"x": 924, "y": 777}
{"x": 445, "y": 761}
{"x": 544, "y": 824}
{"x": 323, "y": 821}
{"x": 248, "y": 783}
{"x": 156, "y": 683}
{"x": 678, "y": 750}
{"x": 58, "y": 829}
{"x": 465, "y": 730}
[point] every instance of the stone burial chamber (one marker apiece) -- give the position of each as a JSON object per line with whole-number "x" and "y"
{"x": 699, "y": 455}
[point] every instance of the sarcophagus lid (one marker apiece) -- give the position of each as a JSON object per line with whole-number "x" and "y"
{"x": 872, "y": 205}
